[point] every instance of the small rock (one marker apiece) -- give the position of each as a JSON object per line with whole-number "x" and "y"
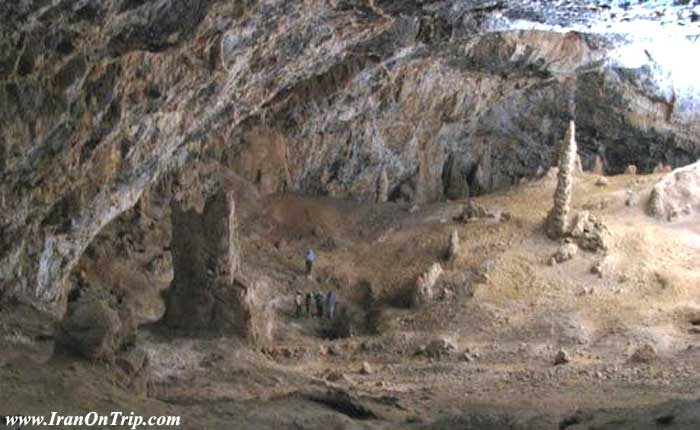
{"x": 565, "y": 252}
{"x": 131, "y": 361}
{"x": 334, "y": 376}
{"x": 597, "y": 269}
{"x": 467, "y": 357}
{"x": 439, "y": 348}
{"x": 589, "y": 232}
{"x": 562, "y": 357}
{"x": 366, "y": 369}
{"x": 645, "y": 354}
{"x": 472, "y": 211}
{"x": 631, "y": 170}
{"x": 602, "y": 181}
{"x": 413, "y": 209}
{"x": 586, "y": 291}
{"x": 662, "y": 168}
{"x": 631, "y": 198}
{"x": 317, "y": 231}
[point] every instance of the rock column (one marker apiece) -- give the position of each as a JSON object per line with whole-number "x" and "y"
{"x": 556, "y": 224}
{"x": 206, "y": 292}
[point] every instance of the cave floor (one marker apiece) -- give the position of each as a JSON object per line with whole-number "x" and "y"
{"x": 516, "y": 315}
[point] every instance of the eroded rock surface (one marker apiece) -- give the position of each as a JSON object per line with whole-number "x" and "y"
{"x": 677, "y": 195}
{"x": 102, "y": 99}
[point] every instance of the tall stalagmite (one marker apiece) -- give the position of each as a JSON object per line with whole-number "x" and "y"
{"x": 556, "y": 224}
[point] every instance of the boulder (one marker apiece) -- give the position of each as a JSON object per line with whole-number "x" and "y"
{"x": 91, "y": 328}
{"x": 467, "y": 357}
{"x": 439, "y": 348}
{"x": 472, "y": 211}
{"x": 644, "y": 355}
{"x": 565, "y": 252}
{"x": 662, "y": 168}
{"x": 562, "y": 357}
{"x": 598, "y": 268}
{"x": 677, "y": 195}
{"x": 366, "y": 369}
{"x": 135, "y": 370}
{"x": 423, "y": 292}
{"x": 590, "y": 233}
{"x": 631, "y": 198}
{"x": 335, "y": 376}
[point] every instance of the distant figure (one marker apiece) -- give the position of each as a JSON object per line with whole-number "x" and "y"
{"x": 310, "y": 257}
{"x": 330, "y": 304}
{"x": 309, "y": 297}
{"x": 297, "y": 302}
{"x": 319, "y": 304}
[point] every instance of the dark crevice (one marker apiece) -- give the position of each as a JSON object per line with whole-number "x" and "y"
{"x": 342, "y": 403}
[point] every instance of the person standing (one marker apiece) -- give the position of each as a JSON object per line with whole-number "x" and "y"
{"x": 319, "y": 304}
{"x": 330, "y": 304}
{"x": 297, "y": 302}
{"x": 309, "y": 297}
{"x": 310, "y": 257}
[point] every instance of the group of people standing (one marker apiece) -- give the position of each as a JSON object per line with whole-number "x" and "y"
{"x": 317, "y": 304}
{"x": 323, "y": 305}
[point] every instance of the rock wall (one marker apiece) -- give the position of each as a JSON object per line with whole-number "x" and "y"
{"x": 100, "y": 101}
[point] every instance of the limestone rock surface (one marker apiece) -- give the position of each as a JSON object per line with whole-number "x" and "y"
{"x": 105, "y": 105}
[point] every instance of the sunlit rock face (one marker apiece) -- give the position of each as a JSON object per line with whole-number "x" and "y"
{"x": 100, "y": 101}
{"x": 677, "y": 195}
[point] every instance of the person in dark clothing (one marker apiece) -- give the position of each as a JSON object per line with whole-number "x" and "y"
{"x": 297, "y": 302}
{"x": 310, "y": 256}
{"x": 330, "y": 304}
{"x": 319, "y": 304}
{"x": 309, "y": 297}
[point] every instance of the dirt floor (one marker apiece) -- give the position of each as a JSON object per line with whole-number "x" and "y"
{"x": 503, "y": 309}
